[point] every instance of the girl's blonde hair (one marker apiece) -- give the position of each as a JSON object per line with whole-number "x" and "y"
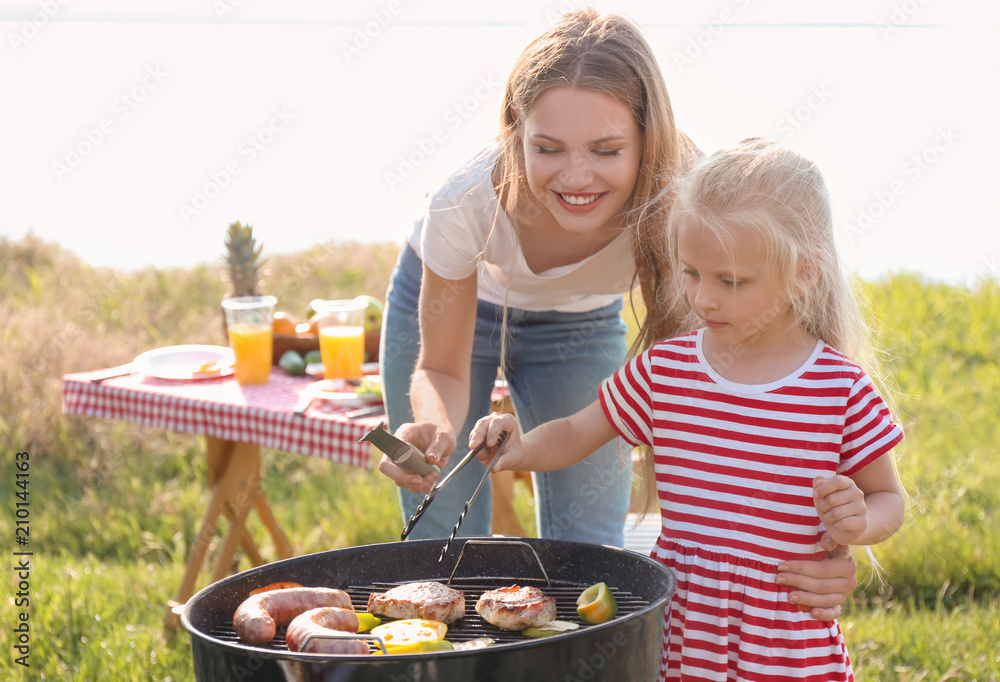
{"x": 781, "y": 196}
{"x": 607, "y": 54}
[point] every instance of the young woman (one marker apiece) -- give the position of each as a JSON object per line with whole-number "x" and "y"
{"x": 520, "y": 264}
{"x": 761, "y": 430}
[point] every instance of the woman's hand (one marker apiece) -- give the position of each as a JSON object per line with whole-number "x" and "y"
{"x": 487, "y": 430}
{"x": 437, "y": 445}
{"x": 823, "y": 586}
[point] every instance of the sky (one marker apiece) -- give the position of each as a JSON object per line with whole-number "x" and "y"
{"x": 134, "y": 133}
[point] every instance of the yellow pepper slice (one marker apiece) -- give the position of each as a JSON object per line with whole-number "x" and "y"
{"x": 596, "y": 604}
{"x": 410, "y": 631}
{"x": 367, "y": 621}
{"x": 419, "y": 648}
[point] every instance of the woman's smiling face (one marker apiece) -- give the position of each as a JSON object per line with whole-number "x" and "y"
{"x": 582, "y": 150}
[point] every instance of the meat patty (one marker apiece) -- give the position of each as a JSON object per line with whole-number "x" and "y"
{"x": 430, "y": 601}
{"x": 516, "y": 608}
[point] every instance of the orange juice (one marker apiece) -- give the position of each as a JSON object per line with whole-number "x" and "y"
{"x": 252, "y": 348}
{"x": 343, "y": 349}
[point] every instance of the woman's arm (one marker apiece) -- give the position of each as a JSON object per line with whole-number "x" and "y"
{"x": 821, "y": 587}
{"x": 439, "y": 388}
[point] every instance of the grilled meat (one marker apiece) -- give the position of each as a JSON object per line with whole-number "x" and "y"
{"x": 429, "y": 600}
{"x": 257, "y": 618}
{"x": 325, "y": 625}
{"x": 516, "y": 608}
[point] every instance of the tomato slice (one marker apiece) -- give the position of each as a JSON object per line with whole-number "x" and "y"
{"x": 274, "y": 586}
{"x": 596, "y": 604}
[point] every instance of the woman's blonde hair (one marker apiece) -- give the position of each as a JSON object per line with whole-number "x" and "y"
{"x": 607, "y": 54}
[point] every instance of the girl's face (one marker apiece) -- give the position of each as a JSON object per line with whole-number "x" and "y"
{"x": 738, "y": 296}
{"x": 582, "y": 150}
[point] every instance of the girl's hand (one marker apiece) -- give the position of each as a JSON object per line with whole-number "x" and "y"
{"x": 841, "y": 506}
{"x": 488, "y": 430}
{"x": 821, "y": 587}
{"x": 437, "y": 445}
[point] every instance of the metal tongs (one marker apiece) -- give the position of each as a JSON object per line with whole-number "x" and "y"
{"x": 443, "y": 482}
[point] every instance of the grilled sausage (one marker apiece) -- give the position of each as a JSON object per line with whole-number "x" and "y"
{"x": 325, "y": 621}
{"x": 256, "y": 620}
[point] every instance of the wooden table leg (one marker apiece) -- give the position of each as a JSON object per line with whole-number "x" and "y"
{"x": 505, "y": 520}
{"x": 248, "y": 476}
{"x": 234, "y": 477}
{"x": 281, "y": 543}
{"x": 224, "y": 481}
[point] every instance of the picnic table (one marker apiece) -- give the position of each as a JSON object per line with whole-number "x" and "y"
{"x": 236, "y": 421}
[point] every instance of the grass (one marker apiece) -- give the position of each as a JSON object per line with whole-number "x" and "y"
{"x": 115, "y": 506}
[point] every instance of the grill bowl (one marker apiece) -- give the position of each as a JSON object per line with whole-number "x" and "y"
{"x": 626, "y": 648}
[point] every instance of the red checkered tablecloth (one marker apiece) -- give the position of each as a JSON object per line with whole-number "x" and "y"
{"x": 220, "y": 407}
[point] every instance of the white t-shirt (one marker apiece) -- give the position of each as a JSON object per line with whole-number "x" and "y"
{"x": 452, "y": 240}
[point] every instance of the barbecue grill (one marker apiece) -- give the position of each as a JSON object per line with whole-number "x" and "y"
{"x": 625, "y": 648}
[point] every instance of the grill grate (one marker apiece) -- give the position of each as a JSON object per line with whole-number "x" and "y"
{"x": 472, "y": 626}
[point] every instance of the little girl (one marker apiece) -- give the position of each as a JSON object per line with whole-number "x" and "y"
{"x": 760, "y": 428}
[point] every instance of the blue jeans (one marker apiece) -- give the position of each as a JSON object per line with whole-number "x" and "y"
{"x": 555, "y": 364}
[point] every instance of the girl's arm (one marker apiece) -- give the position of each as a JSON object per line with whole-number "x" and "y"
{"x": 439, "y": 388}
{"x": 863, "y": 509}
{"x": 553, "y": 445}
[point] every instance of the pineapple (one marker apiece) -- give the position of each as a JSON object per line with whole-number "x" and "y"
{"x": 243, "y": 263}
{"x": 243, "y": 260}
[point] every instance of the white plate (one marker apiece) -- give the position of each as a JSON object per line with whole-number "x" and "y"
{"x": 340, "y": 392}
{"x": 183, "y": 362}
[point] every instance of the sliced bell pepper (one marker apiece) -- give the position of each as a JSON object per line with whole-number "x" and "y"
{"x": 420, "y": 647}
{"x": 367, "y": 621}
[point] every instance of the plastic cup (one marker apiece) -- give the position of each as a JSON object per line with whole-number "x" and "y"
{"x": 341, "y": 337}
{"x": 249, "y": 322}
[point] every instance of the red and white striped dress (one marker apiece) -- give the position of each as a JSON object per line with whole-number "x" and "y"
{"x": 734, "y": 471}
